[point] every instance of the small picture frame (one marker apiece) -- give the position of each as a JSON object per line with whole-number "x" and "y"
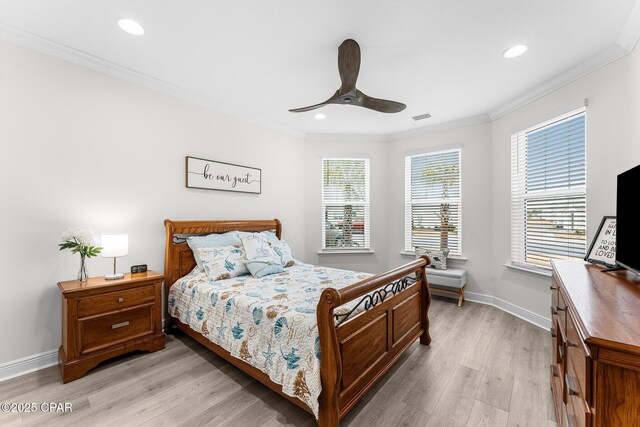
{"x": 603, "y": 246}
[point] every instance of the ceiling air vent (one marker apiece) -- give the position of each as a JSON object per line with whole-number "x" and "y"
{"x": 422, "y": 117}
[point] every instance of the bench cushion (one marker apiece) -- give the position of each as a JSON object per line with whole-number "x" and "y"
{"x": 451, "y": 277}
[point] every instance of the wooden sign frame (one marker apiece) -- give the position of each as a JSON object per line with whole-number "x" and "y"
{"x": 603, "y": 246}
{"x": 208, "y": 174}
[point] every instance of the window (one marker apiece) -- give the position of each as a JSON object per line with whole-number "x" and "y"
{"x": 345, "y": 204}
{"x": 433, "y": 201}
{"x": 548, "y": 191}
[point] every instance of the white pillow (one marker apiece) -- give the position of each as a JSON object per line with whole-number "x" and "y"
{"x": 283, "y": 251}
{"x": 256, "y": 245}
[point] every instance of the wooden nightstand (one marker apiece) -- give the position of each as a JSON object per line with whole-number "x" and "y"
{"x": 102, "y": 319}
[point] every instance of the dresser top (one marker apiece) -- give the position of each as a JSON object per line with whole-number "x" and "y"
{"x": 96, "y": 283}
{"x": 607, "y": 304}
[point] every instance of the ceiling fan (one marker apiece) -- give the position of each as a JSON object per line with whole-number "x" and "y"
{"x": 349, "y": 67}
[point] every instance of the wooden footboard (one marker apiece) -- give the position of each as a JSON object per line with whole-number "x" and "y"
{"x": 358, "y": 349}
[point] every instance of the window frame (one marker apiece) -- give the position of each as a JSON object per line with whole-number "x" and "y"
{"x": 366, "y": 204}
{"x": 409, "y": 202}
{"x": 520, "y": 195}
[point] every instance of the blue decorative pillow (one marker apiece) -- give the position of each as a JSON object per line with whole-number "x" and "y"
{"x": 215, "y": 240}
{"x": 259, "y": 267}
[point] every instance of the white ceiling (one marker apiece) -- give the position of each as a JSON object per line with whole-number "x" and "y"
{"x": 259, "y": 58}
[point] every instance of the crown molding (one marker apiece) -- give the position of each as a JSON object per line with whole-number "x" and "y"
{"x": 626, "y": 43}
{"x": 75, "y": 56}
{"x": 630, "y": 33}
{"x": 592, "y": 64}
{"x": 342, "y": 137}
{"x": 441, "y": 127}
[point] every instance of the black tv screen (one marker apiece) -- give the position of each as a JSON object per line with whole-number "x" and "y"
{"x": 627, "y": 224}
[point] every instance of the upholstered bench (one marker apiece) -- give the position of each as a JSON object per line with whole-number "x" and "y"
{"x": 450, "y": 281}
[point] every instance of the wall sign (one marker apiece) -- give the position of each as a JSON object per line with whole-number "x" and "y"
{"x": 212, "y": 175}
{"x": 603, "y": 247}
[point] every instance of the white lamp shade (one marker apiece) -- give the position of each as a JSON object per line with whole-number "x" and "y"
{"x": 114, "y": 245}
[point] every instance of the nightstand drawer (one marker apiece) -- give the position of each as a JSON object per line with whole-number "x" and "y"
{"x": 115, "y": 300}
{"x": 108, "y": 330}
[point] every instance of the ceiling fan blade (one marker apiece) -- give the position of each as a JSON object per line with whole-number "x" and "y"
{"x": 331, "y": 100}
{"x": 382, "y": 105}
{"x": 348, "y": 65}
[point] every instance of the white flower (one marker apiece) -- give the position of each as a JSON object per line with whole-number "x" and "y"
{"x": 84, "y": 235}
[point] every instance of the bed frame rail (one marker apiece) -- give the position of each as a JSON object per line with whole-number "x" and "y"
{"x": 358, "y": 349}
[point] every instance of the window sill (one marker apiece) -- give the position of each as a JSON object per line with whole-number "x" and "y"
{"x": 346, "y": 252}
{"x": 449, "y": 258}
{"x": 539, "y": 272}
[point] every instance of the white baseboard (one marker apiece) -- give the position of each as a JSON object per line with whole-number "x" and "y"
{"x": 524, "y": 314}
{"x": 28, "y": 364}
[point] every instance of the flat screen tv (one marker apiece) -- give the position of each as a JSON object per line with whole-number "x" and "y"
{"x": 628, "y": 220}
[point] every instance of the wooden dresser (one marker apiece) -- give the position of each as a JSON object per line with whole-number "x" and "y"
{"x": 102, "y": 319}
{"x": 595, "y": 370}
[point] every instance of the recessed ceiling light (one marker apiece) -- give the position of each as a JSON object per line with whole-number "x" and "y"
{"x": 320, "y": 116}
{"x": 130, "y": 26}
{"x": 515, "y": 51}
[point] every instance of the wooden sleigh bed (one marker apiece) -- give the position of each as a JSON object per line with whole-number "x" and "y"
{"x": 356, "y": 349}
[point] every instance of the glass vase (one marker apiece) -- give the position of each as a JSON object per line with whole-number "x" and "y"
{"x": 82, "y": 274}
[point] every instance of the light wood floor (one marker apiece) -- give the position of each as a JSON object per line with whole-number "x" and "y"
{"x": 483, "y": 368}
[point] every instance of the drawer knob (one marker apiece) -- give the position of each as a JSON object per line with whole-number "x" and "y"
{"x": 120, "y": 325}
{"x": 120, "y": 299}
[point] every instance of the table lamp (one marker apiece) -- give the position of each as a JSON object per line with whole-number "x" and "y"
{"x": 114, "y": 245}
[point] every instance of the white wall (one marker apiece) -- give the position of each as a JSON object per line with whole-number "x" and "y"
{"x": 376, "y": 262}
{"x": 613, "y": 146}
{"x": 82, "y": 148}
{"x": 476, "y": 198}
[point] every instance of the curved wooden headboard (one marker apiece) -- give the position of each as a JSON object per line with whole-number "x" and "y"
{"x": 178, "y": 257}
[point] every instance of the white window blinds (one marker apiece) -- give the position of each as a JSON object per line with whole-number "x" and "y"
{"x": 345, "y": 204}
{"x": 548, "y": 191}
{"x": 433, "y": 201}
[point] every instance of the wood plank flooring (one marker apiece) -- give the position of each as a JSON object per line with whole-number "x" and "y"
{"x": 483, "y": 368}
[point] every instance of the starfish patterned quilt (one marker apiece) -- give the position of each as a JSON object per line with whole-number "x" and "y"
{"x": 269, "y": 322}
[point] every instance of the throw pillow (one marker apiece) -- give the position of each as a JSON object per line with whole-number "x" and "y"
{"x": 438, "y": 258}
{"x": 223, "y": 262}
{"x": 214, "y": 240}
{"x": 256, "y": 245}
{"x": 283, "y": 251}
{"x": 264, "y": 266}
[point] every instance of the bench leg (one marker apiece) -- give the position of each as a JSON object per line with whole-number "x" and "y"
{"x": 460, "y": 296}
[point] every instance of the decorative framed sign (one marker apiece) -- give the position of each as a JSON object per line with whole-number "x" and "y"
{"x": 603, "y": 247}
{"x": 212, "y": 175}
